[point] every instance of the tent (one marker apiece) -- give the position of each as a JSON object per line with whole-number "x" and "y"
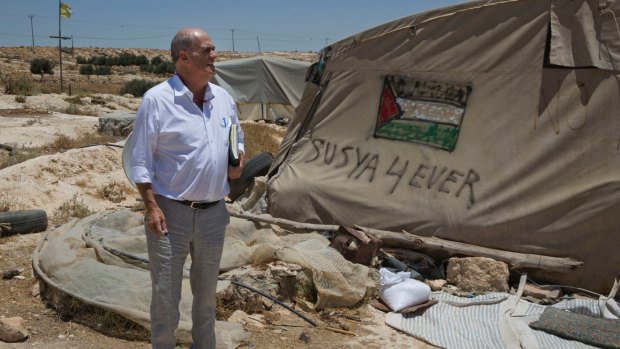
{"x": 263, "y": 87}
{"x": 494, "y": 123}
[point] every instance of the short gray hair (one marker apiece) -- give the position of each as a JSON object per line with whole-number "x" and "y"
{"x": 182, "y": 41}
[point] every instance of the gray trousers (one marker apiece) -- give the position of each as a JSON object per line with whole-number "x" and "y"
{"x": 199, "y": 232}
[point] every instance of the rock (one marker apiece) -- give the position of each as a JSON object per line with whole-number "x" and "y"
{"x": 9, "y": 274}
{"x": 13, "y": 329}
{"x": 117, "y": 123}
{"x": 478, "y": 274}
{"x": 536, "y": 292}
{"x": 114, "y": 192}
{"x": 436, "y": 285}
{"x": 35, "y": 290}
{"x": 239, "y": 316}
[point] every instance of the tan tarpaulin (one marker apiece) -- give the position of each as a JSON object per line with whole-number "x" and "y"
{"x": 487, "y": 123}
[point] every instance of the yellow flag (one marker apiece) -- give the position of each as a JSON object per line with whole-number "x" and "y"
{"x": 65, "y": 10}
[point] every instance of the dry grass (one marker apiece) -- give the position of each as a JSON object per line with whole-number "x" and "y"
{"x": 115, "y": 191}
{"x": 32, "y": 122}
{"x": 76, "y": 99}
{"x": 72, "y": 208}
{"x": 60, "y": 144}
{"x": 82, "y": 183}
{"x": 63, "y": 142}
{"x": 260, "y": 137}
{"x": 104, "y": 321}
{"x": 74, "y": 109}
{"x": 9, "y": 203}
{"x": 19, "y": 155}
{"x": 81, "y": 88}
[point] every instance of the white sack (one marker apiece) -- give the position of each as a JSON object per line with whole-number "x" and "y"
{"x": 399, "y": 291}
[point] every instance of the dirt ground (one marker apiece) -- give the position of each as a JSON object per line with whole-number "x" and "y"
{"x": 48, "y": 181}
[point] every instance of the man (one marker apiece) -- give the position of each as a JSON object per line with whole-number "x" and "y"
{"x": 179, "y": 163}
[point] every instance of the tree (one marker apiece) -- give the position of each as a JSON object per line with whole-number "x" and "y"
{"x": 87, "y": 70}
{"x": 156, "y": 60}
{"x": 164, "y": 68}
{"x": 42, "y": 66}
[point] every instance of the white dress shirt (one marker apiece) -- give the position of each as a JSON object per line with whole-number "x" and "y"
{"x": 178, "y": 148}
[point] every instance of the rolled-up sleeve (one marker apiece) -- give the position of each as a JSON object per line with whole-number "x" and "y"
{"x": 144, "y": 141}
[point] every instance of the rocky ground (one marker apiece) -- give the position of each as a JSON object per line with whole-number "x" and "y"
{"x": 84, "y": 174}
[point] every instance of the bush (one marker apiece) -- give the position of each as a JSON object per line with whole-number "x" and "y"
{"x": 141, "y": 59}
{"x": 137, "y": 87}
{"x": 100, "y": 60}
{"x": 164, "y": 68}
{"x": 147, "y": 68}
{"x": 20, "y": 99}
{"x": 103, "y": 70}
{"x": 156, "y": 60}
{"x": 19, "y": 84}
{"x": 87, "y": 70}
{"x": 42, "y": 66}
{"x": 71, "y": 209}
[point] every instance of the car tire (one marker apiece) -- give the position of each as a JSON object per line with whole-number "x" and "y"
{"x": 22, "y": 222}
{"x": 257, "y": 166}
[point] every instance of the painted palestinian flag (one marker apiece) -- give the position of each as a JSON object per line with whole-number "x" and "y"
{"x": 421, "y": 111}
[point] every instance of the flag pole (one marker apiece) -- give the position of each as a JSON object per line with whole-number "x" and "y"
{"x": 60, "y": 43}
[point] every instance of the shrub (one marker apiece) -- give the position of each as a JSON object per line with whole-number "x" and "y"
{"x": 71, "y": 209}
{"x": 100, "y": 60}
{"x": 87, "y": 70}
{"x": 141, "y": 59}
{"x": 103, "y": 70}
{"x": 156, "y": 60}
{"x": 137, "y": 87}
{"x": 74, "y": 100}
{"x": 147, "y": 68}
{"x": 20, "y": 99}
{"x": 19, "y": 84}
{"x": 164, "y": 68}
{"x": 42, "y": 66}
{"x": 20, "y": 155}
{"x": 32, "y": 122}
{"x": 74, "y": 109}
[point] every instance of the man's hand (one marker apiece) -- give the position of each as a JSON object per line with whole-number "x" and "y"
{"x": 153, "y": 217}
{"x": 234, "y": 172}
{"x": 155, "y": 221}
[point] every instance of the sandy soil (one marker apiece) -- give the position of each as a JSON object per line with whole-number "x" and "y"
{"x": 81, "y": 174}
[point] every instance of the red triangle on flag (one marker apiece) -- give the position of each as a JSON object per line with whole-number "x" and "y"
{"x": 389, "y": 108}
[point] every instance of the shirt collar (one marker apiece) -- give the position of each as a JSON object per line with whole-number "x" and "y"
{"x": 180, "y": 88}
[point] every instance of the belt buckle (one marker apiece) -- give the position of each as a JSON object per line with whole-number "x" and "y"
{"x": 192, "y": 205}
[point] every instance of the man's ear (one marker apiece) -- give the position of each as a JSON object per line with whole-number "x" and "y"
{"x": 183, "y": 56}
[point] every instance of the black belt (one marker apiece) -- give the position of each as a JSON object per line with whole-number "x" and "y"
{"x": 199, "y": 205}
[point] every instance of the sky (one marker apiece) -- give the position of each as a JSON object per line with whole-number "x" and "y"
{"x": 265, "y": 25}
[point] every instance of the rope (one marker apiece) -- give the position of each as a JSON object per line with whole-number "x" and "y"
{"x": 615, "y": 19}
{"x": 105, "y": 144}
